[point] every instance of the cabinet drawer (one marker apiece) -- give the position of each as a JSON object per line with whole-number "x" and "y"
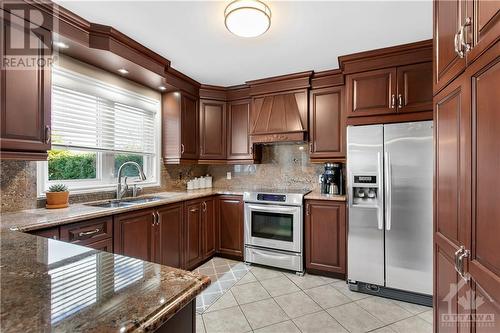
{"x": 83, "y": 233}
{"x": 102, "y": 245}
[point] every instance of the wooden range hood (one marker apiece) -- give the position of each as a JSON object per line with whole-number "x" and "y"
{"x": 279, "y": 108}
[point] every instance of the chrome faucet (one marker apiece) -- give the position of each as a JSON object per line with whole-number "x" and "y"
{"x": 121, "y": 192}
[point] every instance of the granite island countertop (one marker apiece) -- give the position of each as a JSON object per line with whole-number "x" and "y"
{"x": 49, "y": 285}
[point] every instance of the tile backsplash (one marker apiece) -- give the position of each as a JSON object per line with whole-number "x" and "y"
{"x": 283, "y": 165}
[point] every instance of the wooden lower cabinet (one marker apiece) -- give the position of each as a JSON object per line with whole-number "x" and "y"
{"x": 325, "y": 237}
{"x": 208, "y": 226}
{"x": 47, "y": 232}
{"x": 133, "y": 234}
{"x": 102, "y": 245}
{"x": 193, "y": 234}
{"x": 169, "y": 247}
{"x": 230, "y": 226}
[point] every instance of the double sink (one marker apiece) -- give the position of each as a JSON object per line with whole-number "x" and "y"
{"x": 123, "y": 202}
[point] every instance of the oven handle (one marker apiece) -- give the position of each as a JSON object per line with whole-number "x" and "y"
{"x": 268, "y": 208}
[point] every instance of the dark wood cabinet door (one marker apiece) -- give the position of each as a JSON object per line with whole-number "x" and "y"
{"x": 449, "y": 15}
{"x": 451, "y": 195}
{"x": 230, "y": 226}
{"x": 484, "y": 263}
{"x": 325, "y": 236}
{"x": 193, "y": 234}
{"x": 415, "y": 87}
{"x": 133, "y": 234}
{"x": 212, "y": 130}
{"x": 371, "y": 93}
{"x": 485, "y": 26}
{"x": 209, "y": 244}
{"x": 327, "y": 123}
{"x": 189, "y": 127}
{"x": 238, "y": 129}
{"x": 52, "y": 232}
{"x": 25, "y": 95}
{"x": 102, "y": 245}
{"x": 170, "y": 231}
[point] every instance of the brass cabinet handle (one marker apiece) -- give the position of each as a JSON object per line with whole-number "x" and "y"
{"x": 204, "y": 204}
{"x": 456, "y": 41}
{"x": 400, "y": 101}
{"x": 182, "y": 148}
{"x": 311, "y": 147}
{"x": 47, "y": 134}
{"x": 88, "y": 233}
{"x": 393, "y": 101}
{"x": 308, "y": 209}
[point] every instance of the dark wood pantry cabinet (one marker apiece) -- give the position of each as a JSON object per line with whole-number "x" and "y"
{"x": 25, "y": 91}
{"x": 467, "y": 155}
{"x": 230, "y": 226}
{"x": 325, "y": 237}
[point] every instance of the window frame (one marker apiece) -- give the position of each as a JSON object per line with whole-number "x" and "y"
{"x": 98, "y": 184}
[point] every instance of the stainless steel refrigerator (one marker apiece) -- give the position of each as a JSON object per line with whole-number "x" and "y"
{"x": 390, "y": 177}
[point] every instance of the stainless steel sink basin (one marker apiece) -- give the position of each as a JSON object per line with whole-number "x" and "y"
{"x": 123, "y": 203}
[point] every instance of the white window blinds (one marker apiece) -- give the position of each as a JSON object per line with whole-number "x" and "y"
{"x": 90, "y": 114}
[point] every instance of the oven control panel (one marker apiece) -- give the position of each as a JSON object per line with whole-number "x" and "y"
{"x": 271, "y": 197}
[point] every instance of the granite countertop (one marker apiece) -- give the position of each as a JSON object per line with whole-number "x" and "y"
{"x": 53, "y": 286}
{"x": 320, "y": 196}
{"x": 33, "y": 219}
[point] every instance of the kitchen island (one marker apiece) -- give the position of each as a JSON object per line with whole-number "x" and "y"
{"x": 49, "y": 285}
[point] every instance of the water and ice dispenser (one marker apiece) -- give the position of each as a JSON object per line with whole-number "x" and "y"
{"x": 365, "y": 190}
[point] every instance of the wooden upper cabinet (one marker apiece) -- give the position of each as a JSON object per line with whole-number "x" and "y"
{"x": 238, "y": 140}
{"x": 484, "y": 29}
{"x": 415, "y": 87}
{"x": 230, "y": 225}
{"x": 325, "y": 236}
{"x": 180, "y": 128}
{"x": 170, "y": 235}
{"x": 371, "y": 93}
{"x": 212, "y": 130}
{"x": 189, "y": 127}
{"x": 327, "y": 123}
{"x": 449, "y": 15}
{"x": 25, "y": 93}
{"x": 133, "y": 234}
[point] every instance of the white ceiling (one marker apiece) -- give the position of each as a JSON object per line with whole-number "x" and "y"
{"x": 304, "y": 35}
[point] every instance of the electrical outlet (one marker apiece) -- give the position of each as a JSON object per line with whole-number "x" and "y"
{"x": 228, "y": 175}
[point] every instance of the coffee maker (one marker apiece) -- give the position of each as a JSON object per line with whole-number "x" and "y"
{"x": 332, "y": 180}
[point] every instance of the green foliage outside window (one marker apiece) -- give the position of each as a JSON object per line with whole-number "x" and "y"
{"x": 66, "y": 165}
{"x": 128, "y": 171}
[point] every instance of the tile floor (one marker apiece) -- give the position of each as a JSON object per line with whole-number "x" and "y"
{"x": 261, "y": 300}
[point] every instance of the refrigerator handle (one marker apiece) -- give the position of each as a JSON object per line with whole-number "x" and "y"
{"x": 388, "y": 201}
{"x": 380, "y": 215}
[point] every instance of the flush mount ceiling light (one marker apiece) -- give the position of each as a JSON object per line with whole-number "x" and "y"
{"x": 123, "y": 71}
{"x": 247, "y": 18}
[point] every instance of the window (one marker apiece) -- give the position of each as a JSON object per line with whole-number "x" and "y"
{"x": 96, "y": 127}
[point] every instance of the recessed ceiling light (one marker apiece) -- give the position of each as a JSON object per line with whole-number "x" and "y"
{"x": 123, "y": 71}
{"x": 61, "y": 45}
{"x": 247, "y": 18}
{"x": 162, "y": 88}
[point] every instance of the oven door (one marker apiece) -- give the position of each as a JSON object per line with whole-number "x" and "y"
{"x": 273, "y": 226}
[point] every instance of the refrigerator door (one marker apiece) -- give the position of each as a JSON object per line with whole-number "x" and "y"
{"x": 408, "y": 162}
{"x": 366, "y": 224}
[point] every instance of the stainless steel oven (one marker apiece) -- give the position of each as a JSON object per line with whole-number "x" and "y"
{"x": 274, "y": 228}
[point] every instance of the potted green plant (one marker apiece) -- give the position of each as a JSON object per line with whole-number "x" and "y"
{"x": 57, "y": 196}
